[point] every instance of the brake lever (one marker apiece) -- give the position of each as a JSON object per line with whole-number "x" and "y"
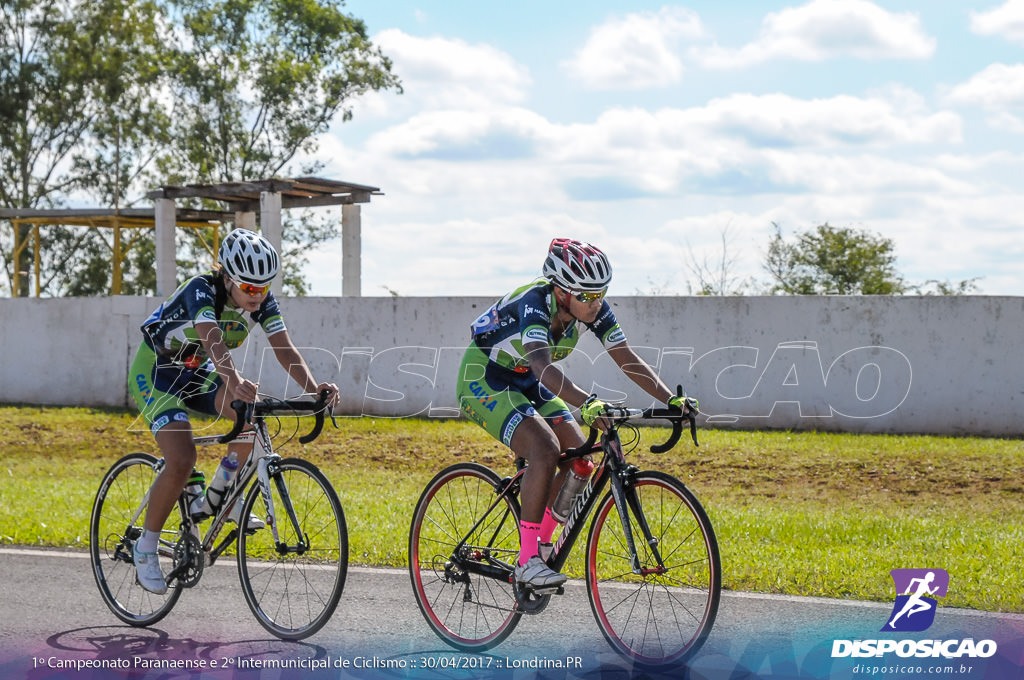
{"x": 691, "y": 415}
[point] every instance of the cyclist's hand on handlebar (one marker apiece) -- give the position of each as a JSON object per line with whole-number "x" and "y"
{"x": 246, "y": 391}
{"x": 683, "y": 403}
{"x": 332, "y": 394}
{"x": 591, "y": 412}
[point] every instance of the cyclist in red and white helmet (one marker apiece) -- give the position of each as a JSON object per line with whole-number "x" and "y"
{"x": 508, "y": 383}
{"x": 574, "y": 265}
{"x": 184, "y": 364}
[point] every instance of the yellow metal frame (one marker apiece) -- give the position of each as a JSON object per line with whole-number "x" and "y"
{"x": 118, "y": 249}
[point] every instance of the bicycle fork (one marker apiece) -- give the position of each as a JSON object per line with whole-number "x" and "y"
{"x": 263, "y": 473}
{"x": 627, "y": 503}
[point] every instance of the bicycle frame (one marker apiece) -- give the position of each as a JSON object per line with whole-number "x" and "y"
{"x": 653, "y": 576}
{"x": 257, "y": 465}
{"x": 612, "y": 469}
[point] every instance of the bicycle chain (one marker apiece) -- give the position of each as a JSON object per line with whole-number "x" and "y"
{"x": 188, "y": 558}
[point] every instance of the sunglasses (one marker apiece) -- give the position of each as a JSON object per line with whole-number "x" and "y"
{"x": 250, "y": 289}
{"x": 588, "y": 297}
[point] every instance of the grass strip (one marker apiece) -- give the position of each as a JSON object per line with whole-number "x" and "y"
{"x": 795, "y": 513}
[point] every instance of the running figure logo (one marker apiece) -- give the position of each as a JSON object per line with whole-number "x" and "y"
{"x": 914, "y": 609}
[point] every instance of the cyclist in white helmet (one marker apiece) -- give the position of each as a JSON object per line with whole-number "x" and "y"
{"x": 184, "y": 364}
{"x": 509, "y": 385}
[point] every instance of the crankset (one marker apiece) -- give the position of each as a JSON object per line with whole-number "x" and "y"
{"x": 188, "y": 561}
{"x": 533, "y": 600}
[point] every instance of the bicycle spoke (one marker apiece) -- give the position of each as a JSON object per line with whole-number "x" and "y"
{"x": 122, "y": 490}
{"x": 663, "y": 615}
{"x": 294, "y": 594}
{"x": 466, "y": 609}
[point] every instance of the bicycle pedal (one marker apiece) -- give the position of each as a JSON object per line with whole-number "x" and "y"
{"x": 541, "y": 590}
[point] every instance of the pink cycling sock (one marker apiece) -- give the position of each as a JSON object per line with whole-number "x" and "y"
{"x": 529, "y": 540}
{"x": 548, "y": 526}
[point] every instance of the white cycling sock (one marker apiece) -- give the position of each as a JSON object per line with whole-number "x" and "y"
{"x": 148, "y": 542}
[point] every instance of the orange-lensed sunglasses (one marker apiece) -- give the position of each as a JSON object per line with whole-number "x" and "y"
{"x": 250, "y": 289}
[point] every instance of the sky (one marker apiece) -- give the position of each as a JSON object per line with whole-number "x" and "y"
{"x": 676, "y": 137}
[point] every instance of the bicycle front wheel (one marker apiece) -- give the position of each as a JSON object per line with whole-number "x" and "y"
{"x": 293, "y": 586}
{"x": 116, "y": 523}
{"x": 663, "y": 614}
{"x": 461, "y": 552}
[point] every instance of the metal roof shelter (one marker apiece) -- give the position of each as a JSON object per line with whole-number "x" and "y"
{"x": 243, "y": 200}
{"x": 270, "y": 196}
{"x": 102, "y": 218}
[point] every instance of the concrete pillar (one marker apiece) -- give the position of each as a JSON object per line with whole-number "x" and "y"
{"x": 351, "y": 255}
{"x": 166, "y": 266}
{"x": 245, "y": 220}
{"x": 270, "y": 227}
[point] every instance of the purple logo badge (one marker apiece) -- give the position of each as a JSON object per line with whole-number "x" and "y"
{"x": 914, "y": 609}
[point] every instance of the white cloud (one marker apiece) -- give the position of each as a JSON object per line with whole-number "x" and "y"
{"x": 738, "y": 145}
{"x": 461, "y": 135}
{"x": 636, "y": 51}
{"x": 448, "y": 72}
{"x": 1006, "y": 20}
{"x": 779, "y": 120}
{"x": 1001, "y": 120}
{"x": 825, "y": 29}
{"x": 995, "y": 87}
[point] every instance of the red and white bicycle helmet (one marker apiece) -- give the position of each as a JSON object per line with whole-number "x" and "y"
{"x": 248, "y": 257}
{"x": 578, "y": 266}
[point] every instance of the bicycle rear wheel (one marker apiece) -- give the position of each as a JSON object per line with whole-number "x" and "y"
{"x": 662, "y": 615}
{"x": 454, "y": 543}
{"x": 113, "y": 530}
{"x": 293, "y": 587}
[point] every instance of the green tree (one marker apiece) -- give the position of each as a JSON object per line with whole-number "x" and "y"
{"x": 258, "y": 80}
{"x": 113, "y": 97}
{"x": 833, "y": 261}
{"x": 45, "y": 111}
{"x": 81, "y": 112}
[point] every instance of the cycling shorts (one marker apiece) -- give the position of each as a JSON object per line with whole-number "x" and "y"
{"x": 498, "y": 399}
{"x": 166, "y": 391}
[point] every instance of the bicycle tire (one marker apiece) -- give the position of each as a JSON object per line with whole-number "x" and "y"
{"x": 294, "y": 593}
{"x": 469, "y": 611}
{"x": 112, "y": 534}
{"x": 655, "y": 619}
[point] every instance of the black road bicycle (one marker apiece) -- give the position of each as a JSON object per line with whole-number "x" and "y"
{"x": 653, "y": 573}
{"x": 292, "y": 571}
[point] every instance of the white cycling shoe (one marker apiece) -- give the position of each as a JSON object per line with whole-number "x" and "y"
{"x": 236, "y": 514}
{"x": 148, "y": 573}
{"x": 538, "y": 576}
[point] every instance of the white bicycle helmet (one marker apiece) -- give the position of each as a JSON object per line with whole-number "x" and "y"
{"x": 248, "y": 257}
{"x": 578, "y": 266}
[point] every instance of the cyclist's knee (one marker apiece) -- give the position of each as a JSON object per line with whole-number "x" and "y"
{"x": 178, "y": 449}
{"x": 537, "y": 444}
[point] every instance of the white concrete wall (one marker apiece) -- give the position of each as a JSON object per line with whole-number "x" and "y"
{"x": 861, "y": 364}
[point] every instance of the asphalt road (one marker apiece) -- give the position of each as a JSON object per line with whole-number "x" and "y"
{"x": 51, "y": 616}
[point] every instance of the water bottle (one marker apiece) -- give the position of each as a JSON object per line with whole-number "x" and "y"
{"x": 194, "y": 490}
{"x": 221, "y": 478}
{"x": 575, "y": 480}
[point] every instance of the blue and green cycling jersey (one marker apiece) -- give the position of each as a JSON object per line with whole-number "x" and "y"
{"x": 171, "y": 373}
{"x": 170, "y": 330}
{"x": 495, "y": 387}
{"x": 525, "y": 315}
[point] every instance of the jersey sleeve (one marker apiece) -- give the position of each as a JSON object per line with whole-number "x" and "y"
{"x": 534, "y": 317}
{"x": 199, "y": 300}
{"x": 607, "y": 328}
{"x": 269, "y": 316}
